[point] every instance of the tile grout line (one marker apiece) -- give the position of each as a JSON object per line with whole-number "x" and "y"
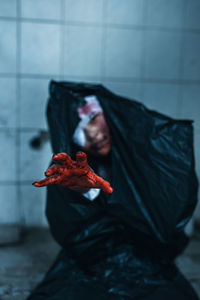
{"x": 23, "y": 129}
{"x": 103, "y": 42}
{"x": 181, "y": 62}
{"x": 18, "y": 96}
{"x": 15, "y": 183}
{"x": 65, "y": 40}
{"x": 62, "y": 39}
{"x": 102, "y": 24}
{"x": 106, "y": 78}
{"x": 143, "y": 50}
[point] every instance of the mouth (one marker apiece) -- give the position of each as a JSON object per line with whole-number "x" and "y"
{"x": 101, "y": 143}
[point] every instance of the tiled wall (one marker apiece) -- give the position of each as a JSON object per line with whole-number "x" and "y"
{"x": 143, "y": 49}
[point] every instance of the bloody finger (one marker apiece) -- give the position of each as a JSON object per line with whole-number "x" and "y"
{"x": 54, "y": 169}
{"x": 64, "y": 159}
{"x": 107, "y": 189}
{"x": 81, "y": 160}
{"x": 104, "y": 185}
{"x": 46, "y": 181}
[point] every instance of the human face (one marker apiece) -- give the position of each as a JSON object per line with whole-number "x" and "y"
{"x": 98, "y": 139}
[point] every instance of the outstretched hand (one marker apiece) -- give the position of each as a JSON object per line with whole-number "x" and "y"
{"x": 73, "y": 173}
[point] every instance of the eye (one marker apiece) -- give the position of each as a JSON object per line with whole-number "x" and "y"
{"x": 93, "y": 118}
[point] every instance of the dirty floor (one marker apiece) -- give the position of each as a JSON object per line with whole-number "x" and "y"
{"x": 23, "y": 265}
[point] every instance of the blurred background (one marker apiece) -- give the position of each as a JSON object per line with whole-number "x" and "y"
{"x": 148, "y": 50}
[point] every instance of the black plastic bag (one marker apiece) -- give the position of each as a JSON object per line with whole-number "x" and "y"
{"x": 121, "y": 246}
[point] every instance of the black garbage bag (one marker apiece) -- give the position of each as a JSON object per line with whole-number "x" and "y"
{"x": 123, "y": 245}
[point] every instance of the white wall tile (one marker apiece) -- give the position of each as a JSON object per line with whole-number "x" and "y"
{"x": 10, "y": 209}
{"x": 8, "y": 102}
{"x": 41, "y": 9}
{"x": 128, "y": 12}
{"x": 191, "y": 60}
{"x": 83, "y": 51}
{"x": 7, "y": 46}
{"x": 161, "y": 97}
{"x": 40, "y": 52}
{"x": 7, "y": 155}
{"x": 164, "y": 13}
{"x": 8, "y": 8}
{"x": 192, "y": 19}
{"x": 162, "y": 54}
{"x": 33, "y": 163}
{"x": 123, "y": 53}
{"x": 191, "y": 103}
{"x": 33, "y": 102}
{"x": 125, "y": 89}
{"x": 84, "y": 10}
{"x": 33, "y": 201}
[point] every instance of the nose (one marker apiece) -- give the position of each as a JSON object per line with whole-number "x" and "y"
{"x": 94, "y": 135}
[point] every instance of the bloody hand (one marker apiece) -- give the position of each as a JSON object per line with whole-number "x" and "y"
{"x": 73, "y": 173}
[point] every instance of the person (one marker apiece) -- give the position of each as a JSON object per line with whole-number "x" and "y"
{"x": 119, "y": 193}
{"x": 93, "y": 136}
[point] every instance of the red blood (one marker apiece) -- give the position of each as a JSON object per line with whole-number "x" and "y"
{"x": 73, "y": 173}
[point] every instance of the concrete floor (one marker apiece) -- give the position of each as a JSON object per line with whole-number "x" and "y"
{"x": 23, "y": 265}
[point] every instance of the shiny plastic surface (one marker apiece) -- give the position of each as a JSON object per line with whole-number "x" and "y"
{"x": 121, "y": 246}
